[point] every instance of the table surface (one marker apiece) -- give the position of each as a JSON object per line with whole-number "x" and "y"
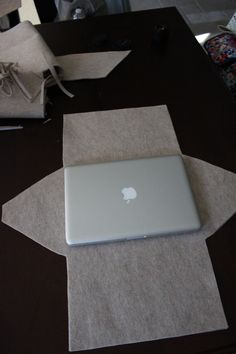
{"x": 33, "y": 297}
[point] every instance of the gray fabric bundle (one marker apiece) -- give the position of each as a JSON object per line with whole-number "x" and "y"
{"x": 25, "y": 58}
{"x": 28, "y": 67}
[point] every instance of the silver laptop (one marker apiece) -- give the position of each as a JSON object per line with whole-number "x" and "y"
{"x": 128, "y": 199}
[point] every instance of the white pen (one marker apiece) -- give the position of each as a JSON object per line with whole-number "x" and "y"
{"x": 10, "y": 127}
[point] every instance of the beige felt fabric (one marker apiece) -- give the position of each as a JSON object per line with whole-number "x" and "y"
{"x": 24, "y": 45}
{"x": 90, "y": 65}
{"x": 138, "y": 290}
{"x": 118, "y": 134}
{"x": 7, "y": 6}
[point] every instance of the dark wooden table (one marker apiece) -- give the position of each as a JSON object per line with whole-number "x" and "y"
{"x": 33, "y": 295}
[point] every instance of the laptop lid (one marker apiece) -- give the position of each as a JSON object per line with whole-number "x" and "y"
{"x": 128, "y": 199}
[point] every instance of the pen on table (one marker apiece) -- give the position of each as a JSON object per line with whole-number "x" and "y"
{"x": 10, "y": 127}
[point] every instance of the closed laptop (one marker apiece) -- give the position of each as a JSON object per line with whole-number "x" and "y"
{"x": 128, "y": 199}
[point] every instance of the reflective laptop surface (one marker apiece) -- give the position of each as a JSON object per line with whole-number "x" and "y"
{"x": 128, "y": 199}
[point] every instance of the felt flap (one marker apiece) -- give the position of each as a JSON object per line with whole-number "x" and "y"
{"x": 118, "y": 134}
{"x": 90, "y": 65}
{"x": 7, "y": 6}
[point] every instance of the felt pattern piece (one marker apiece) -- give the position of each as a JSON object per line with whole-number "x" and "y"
{"x": 25, "y": 47}
{"x": 90, "y": 65}
{"x": 138, "y": 290}
{"x": 7, "y": 6}
{"x": 118, "y": 134}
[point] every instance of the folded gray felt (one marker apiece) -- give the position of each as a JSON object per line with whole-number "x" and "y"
{"x": 137, "y": 290}
{"x": 90, "y": 65}
{"x": 31, "y": 58}
{"x": 25, "y": 48}
{"x": 7, "y": 6}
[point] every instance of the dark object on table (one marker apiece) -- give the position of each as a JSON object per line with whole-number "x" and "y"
{"x": 47, "y": 10}
{"x": 14, "y": 18}
{"x": 121, "y": 44}
{"x": 160, "y": 35}
{"x": 100, "y": 41}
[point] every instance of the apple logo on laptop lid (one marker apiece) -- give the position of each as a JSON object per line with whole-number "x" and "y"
{"x": 129, "y": 193}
